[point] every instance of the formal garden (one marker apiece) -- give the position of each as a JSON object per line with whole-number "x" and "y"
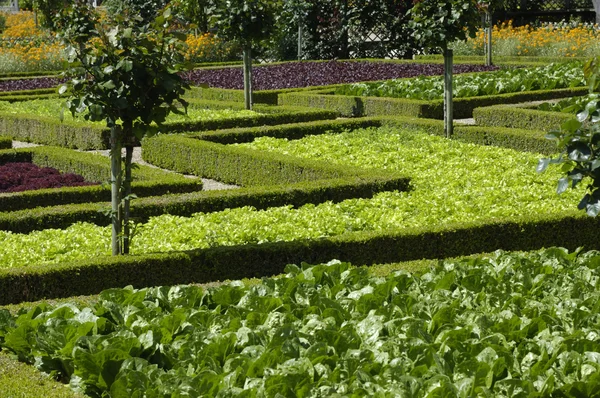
{"x": 233, "y": 198}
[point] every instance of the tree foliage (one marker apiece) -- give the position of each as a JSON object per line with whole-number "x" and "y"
{"x": 247, "y": 22}
{"x": 338, "y": 28}
{"x": 436, "y": 22}
{"x": 579, "y": 141}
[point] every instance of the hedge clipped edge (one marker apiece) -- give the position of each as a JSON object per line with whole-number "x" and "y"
{"x": 147, "y": 181}
{"x": 51, "y": 131}
{"x": 355, "y": 106}
{"x": 570, "y": 230}
{"x": 69, "y": 134}
{"x": 268, "y": 97}
{"x": 519, "y": 117}
{"x": 335, "y": 190}
{"x": 5, "y": 142}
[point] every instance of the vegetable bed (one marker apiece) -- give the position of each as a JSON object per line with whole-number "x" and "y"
{"x": 548, "y": 77}
{"x": 508, "y": 325}
{"x": 452, "y": 182}
{"x": 53, "y": 108}
{"x": 308, "y": 74}
{"x": 22, "y": 176}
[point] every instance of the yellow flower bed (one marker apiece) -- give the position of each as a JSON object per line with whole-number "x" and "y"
{"x": 25, "y": 47}
{"x": 207, "y": 48}
{"x": 551, "y": 40}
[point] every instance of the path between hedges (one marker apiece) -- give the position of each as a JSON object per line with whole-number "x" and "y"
{"x": 208, "y": 184}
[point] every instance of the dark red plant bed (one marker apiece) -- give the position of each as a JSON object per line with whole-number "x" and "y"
{"x": 35, "y": 83}
{"x": 309, "y": 74}
{"x": 19, "y": 176}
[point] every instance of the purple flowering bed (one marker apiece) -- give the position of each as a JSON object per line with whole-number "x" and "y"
{"x": 20, "y": 176}
{"x": 35, "y": 83}
{"x": 309, "y": 74}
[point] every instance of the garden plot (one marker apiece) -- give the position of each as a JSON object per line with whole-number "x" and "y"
{"x": 45, "y": 121}
{"x": 506, "y": 325}
{"x": 423, "y": 96}
{"x": 451, "y": 182}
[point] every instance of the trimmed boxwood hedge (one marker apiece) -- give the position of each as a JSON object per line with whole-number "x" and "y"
{"x": 520, "y": 117}
{"x": 51, "y": 131}
{"x": 270, "y": 179}
{"x": 5, "y": 142}
{"x": 147, "y": 181}
{"x": 355, "y": 106}
{"x": 571, "y": 230}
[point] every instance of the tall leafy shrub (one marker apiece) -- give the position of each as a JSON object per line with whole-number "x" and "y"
{"x": 435, "y": 24}
{"x": 247, "y": 22}
{"x": 126, "y": 74}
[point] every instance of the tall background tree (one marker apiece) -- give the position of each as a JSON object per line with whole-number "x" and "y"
{"x": 247, "y": 22}
{"x": 436, "y": 24}
{"x": 343, "y": 29}
{"x": 124, "y": 72}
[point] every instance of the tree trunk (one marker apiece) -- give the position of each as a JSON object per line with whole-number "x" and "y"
{"x": 448, "y": 105}
{"x": 115, "y": 185}
{"x": 488, "y": 37}
{"x": 127, "y": 197}
{"x": 596, "y": 4}
{"x": 300, "y": 33}
{"x": 248, "y": 77}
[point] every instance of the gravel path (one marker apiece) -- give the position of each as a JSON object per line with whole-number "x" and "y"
{"x": 207, "y": 184}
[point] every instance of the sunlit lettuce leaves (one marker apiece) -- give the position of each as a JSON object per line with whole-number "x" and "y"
{"x": 451, "y": 182}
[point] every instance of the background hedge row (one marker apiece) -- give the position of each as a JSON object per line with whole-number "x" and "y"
{"x": 355, "y": 106}
{"x": 69, "y": 134}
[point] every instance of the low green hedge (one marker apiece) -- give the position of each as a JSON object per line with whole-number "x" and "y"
{"x": 519, "y": 117}
{"x": 497, "y": 60}
{"x": 298, "y": 194}
{"x": 147, "y": 181}
{"x": 571, "y": 230}
{"x": 270, "y": 180}
{"x": 5, "y": 142}
{"x": 69, "y": 134}
{"x": 268, "y": 97}
{"x": 355, "y": 106}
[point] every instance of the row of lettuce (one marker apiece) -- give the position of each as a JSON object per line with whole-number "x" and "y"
{"x": 507, "y": 325}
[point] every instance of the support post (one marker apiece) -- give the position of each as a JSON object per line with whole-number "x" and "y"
{"x": 300, "y": 33}
{"x": 248, "y": 77}
{"x": 488, "y": 38}
{"x": 115, "y": 188}
{"x": 448, "y": 105}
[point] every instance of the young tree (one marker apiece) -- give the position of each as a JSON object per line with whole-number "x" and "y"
{"x": 247, "y": 22}
{"x": 436, "y": 23}
{"x": 126, "y": 74}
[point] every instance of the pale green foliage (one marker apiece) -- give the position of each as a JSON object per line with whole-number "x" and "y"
{"x": 547, "y": 77}
{"x": 461, "y": 182}
{"x": 54, "y": 108}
